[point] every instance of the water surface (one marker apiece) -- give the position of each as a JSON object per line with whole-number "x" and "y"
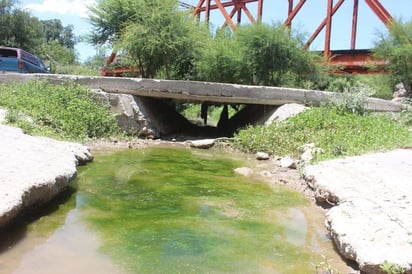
{"x": 178, "y": 211}
{"x": 171, "y": 210}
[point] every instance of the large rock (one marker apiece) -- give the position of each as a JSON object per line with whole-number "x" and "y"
{"x": 284, "y": 112}
{"x": 202, "y": 144}
{"x": 34, "y": 170}
{"x": 129, "y": 115}
{"x": 372, "y": 220}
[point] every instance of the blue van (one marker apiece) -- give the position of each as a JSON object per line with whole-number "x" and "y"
{"x": 18, "y": 60}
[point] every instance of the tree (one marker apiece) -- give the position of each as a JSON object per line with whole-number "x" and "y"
{"x": 51, "y": 30}
{"x": 18, "y": 28}
{"x": 159, "y": 38}
{"x": 109, "y": 17}
{"x": 6, "y": 10}
{"x": 54, "y": 31}
{"x": 257, "y": 54}
{"x": 220, "y": 60}
{"x": 273, "y": 55}
{"x": 396, "y": 48}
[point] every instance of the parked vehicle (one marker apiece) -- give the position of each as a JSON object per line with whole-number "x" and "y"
{"x": 18, "y": 60}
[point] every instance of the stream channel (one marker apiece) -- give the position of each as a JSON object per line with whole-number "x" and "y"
{"x": 171, "y": 210}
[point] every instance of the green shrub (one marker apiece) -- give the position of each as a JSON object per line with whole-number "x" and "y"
{"x": 335, "y": 132}
{"x": 353, "y": 99}
{"x": 67, "y": 111}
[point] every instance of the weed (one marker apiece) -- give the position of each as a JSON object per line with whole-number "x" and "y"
{"x": 335, "y": 132}
{"x": 353, "y": 99}
{"x": 392, "y": 268}
{"x": 67, "y": 111}
{"x": 325, "y": 267}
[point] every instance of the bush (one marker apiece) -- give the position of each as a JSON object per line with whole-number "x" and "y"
{"x": 335, "y": 132}
{"x": 353, "y": 99}
{"x": 396, "y": 48}
{"x": 66, "y": 111}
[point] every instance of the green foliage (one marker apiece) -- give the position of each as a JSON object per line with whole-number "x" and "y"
{"x": 192, "y": 113}
{"x": 406, "y": 113}
{"x": 274, "y": 55}
{"x": 18, "y": 28}
{"x": 335, "y": 132}
{"x": 392, "y": 268}
{"x": 221, "y": 60}
{"x": 160, "y": 39}
{"x": 54, "y": 31}
{"x": 353, "y": 99}
{"x": 49, "y": 39}
{"x": 396, "y": 48}
{"x": 57, "y": 55}
{"x": 97, "y": 61}
{"x": 67, "y": 111}
{"x": 380, "y": 84}
{"x": 257, "y": 54}
{"x": 109, "y": 17}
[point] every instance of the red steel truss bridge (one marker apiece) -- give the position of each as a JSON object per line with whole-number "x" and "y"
{"x": 350, "y": 60}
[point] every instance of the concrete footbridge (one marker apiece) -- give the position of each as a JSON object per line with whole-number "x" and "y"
{"x": 155, "y": 98}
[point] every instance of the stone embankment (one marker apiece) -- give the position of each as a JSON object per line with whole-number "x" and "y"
{"x": 34, "y": 170}
{"x": 371, "y": 220}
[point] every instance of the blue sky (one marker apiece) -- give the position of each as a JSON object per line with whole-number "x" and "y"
{"x": 75, "y": 12}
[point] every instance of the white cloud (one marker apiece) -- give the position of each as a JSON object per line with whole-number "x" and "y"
{"x": 73, "y": 7}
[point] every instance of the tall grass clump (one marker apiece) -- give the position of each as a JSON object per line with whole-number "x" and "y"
{"x": 341, "y": 127}
{"x": 61, "y": 111}
{"x": 336, "y": 133}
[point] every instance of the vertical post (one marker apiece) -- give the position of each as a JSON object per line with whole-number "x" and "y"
{"x": 207, "y": 16}
{"x": 260, "y": 11}
{"x": 290, "y": 8}
{"x": 239, "y": 15}
{"x": 238, "y": 7}
{"x": 354, "y": 24}
{"x": 328, "y": 28}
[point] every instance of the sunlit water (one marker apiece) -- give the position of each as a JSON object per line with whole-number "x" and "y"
{"x": 167, "y": 210}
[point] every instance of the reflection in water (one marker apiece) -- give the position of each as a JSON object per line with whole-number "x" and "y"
{"x": 170, "y": 211}
{"x": 70, "y": 249}
{"x": 53, "y": 240}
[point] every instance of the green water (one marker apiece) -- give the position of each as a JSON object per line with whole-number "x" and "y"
{"x": 167, "y": 210}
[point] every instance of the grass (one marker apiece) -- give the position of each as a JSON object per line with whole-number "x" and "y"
{"x": 338, "y": 133}
{"x": 192, "y": 113}
{"x": 60, "y": 111}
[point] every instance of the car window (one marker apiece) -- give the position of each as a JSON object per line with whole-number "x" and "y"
{"x": 29, "y": 57}
{"x": 8, "y": 53}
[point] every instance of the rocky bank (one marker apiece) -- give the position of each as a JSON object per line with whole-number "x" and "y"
{"x": 34, "y": 170}
{"x": 371, "y": 216}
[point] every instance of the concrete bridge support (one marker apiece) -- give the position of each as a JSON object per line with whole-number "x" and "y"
{"x": 154, "y": 118}
{"x": 144, "y": 116}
